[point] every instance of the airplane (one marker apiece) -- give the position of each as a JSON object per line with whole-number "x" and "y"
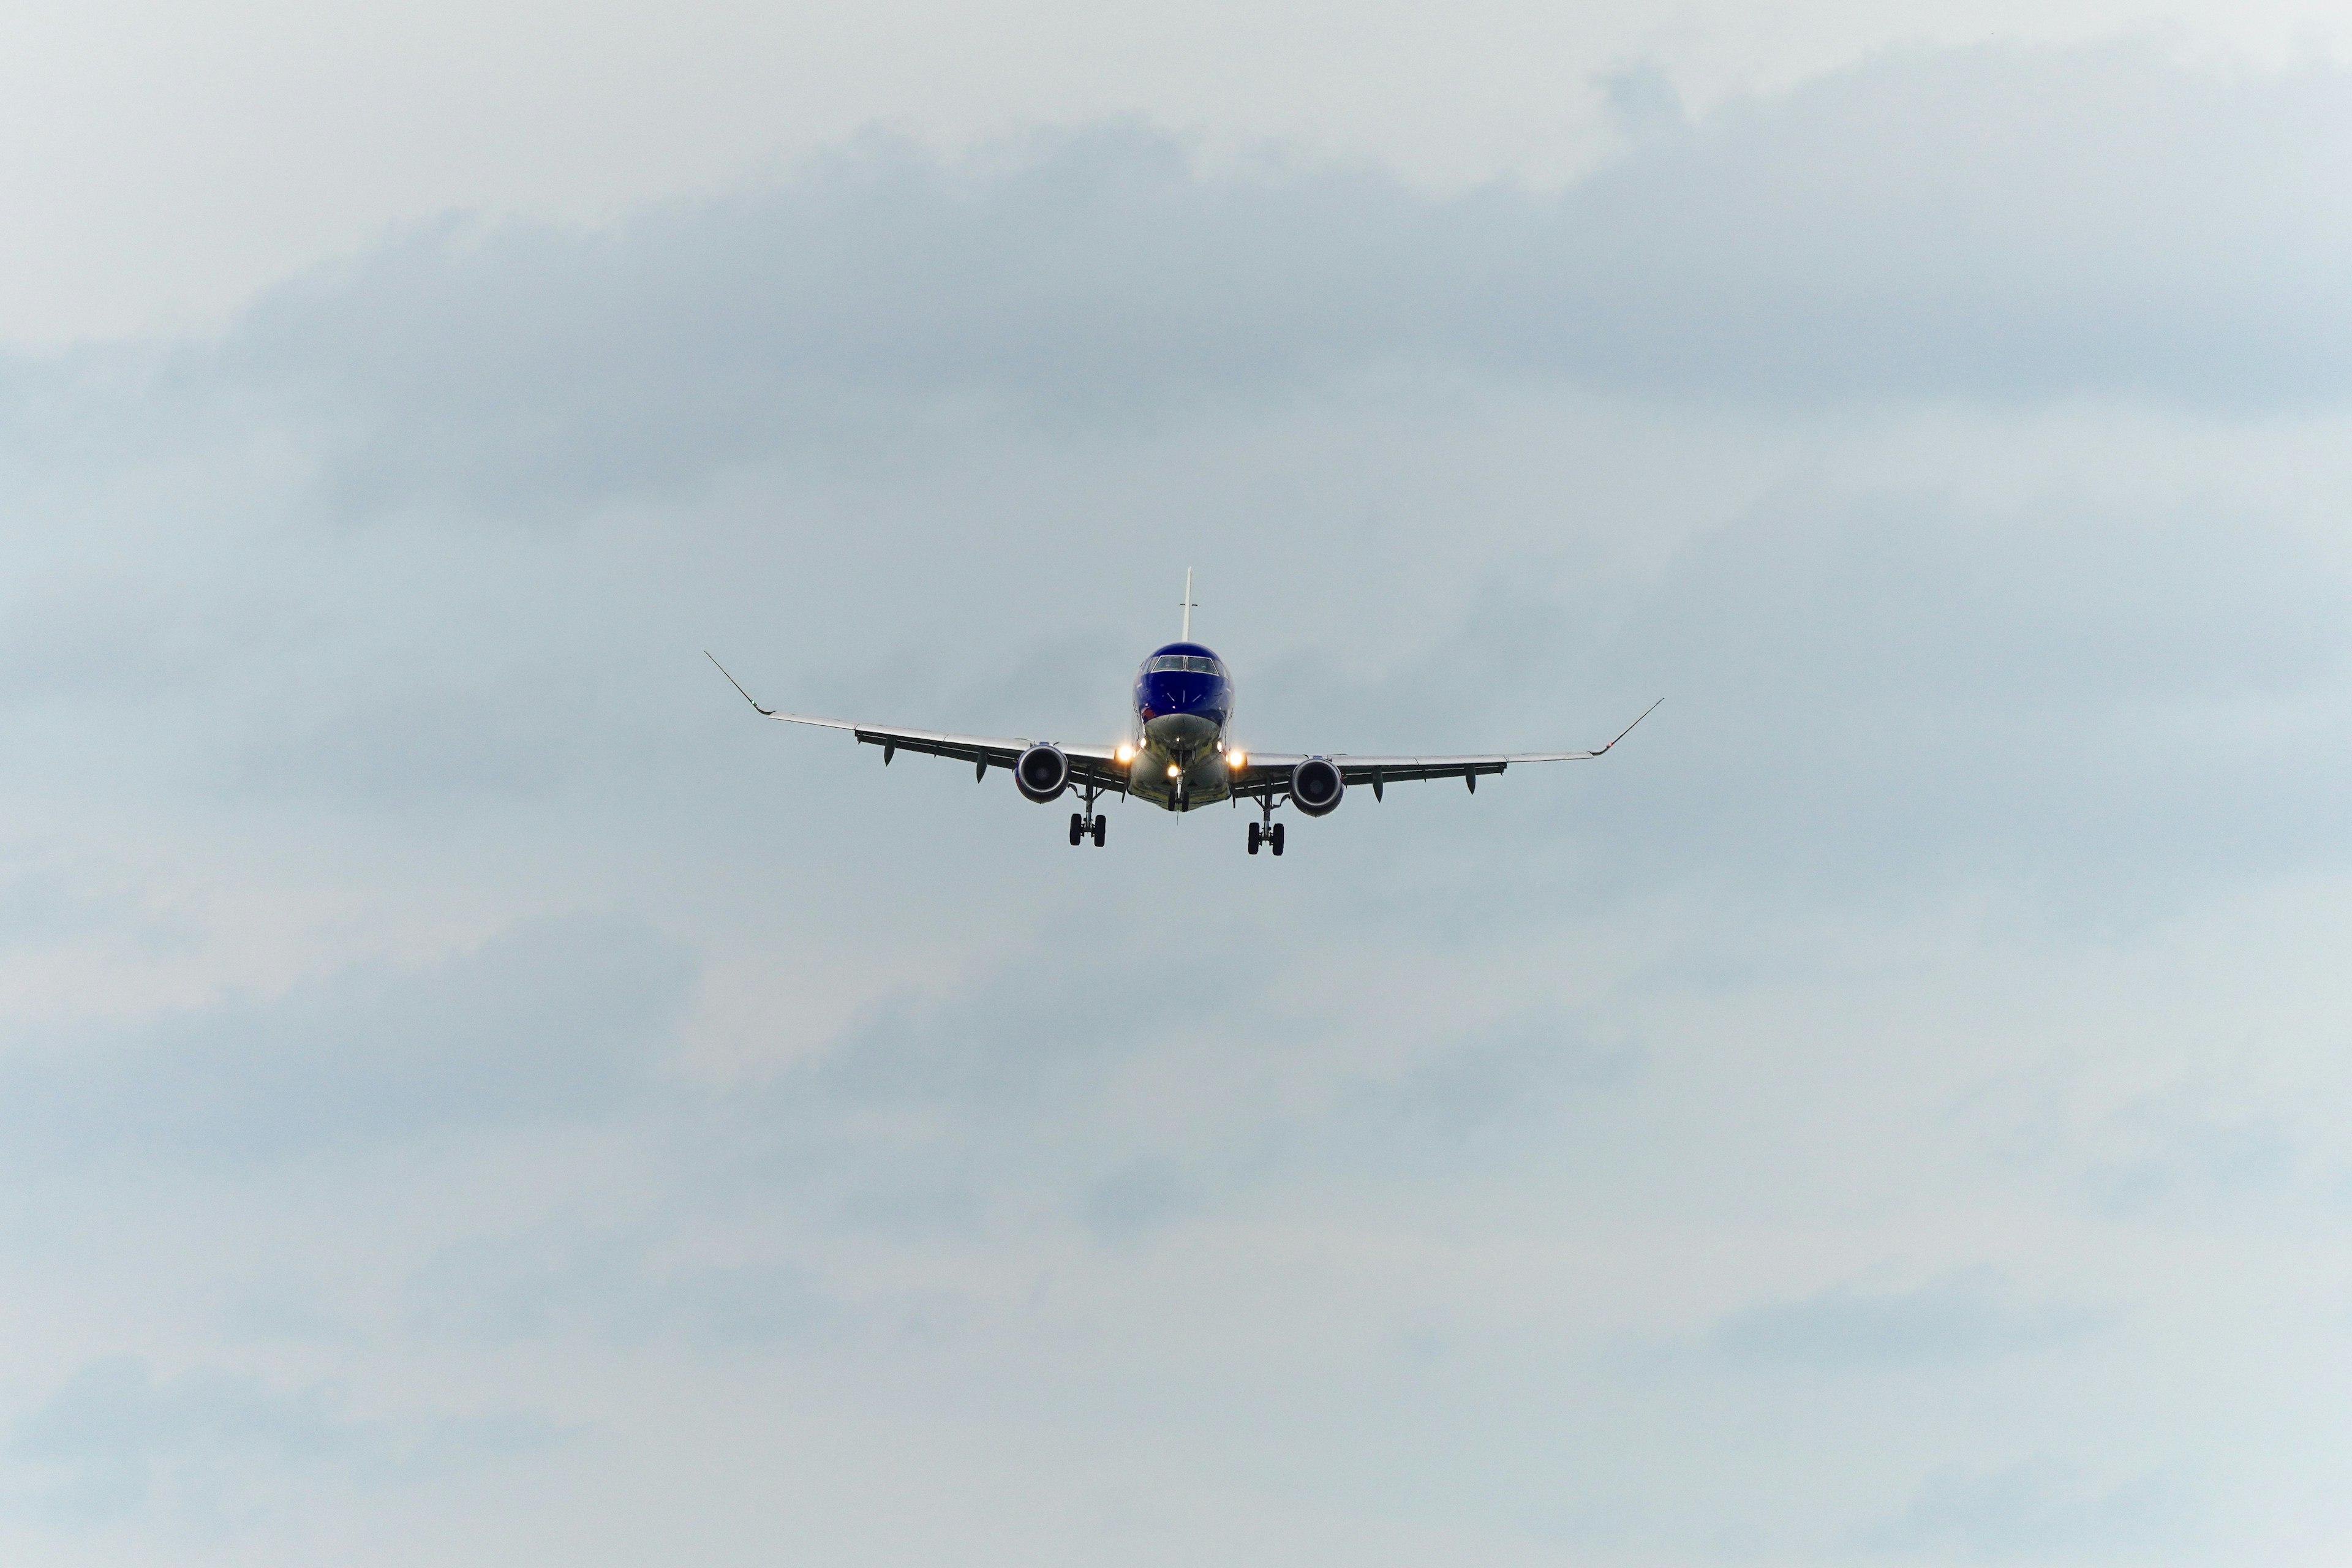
{"x": 1178, "y": 754}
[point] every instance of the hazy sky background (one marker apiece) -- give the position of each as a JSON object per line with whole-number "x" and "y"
{"x": 472, "y": 1094}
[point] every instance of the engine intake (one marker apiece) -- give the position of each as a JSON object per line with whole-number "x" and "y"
{"x": 1041, "y": 773}
{"x": 1316, "y": 786}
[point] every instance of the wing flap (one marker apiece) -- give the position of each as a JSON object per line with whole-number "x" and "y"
{"x": 996, "y": 750}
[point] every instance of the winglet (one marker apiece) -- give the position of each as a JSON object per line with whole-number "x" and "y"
{"x": 769, "y": 712}
{"x": 1628, "y": 730}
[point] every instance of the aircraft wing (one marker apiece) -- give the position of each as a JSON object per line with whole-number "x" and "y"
{"x": 1268, "y": 771}
{"x": 1095, "y": 765}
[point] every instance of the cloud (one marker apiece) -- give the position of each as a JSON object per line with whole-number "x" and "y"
{"x": 1997, "y": 222}
{"x": 1961, "y": 1319}
{"x": 2041, "y": 1509}
{"x": 214, "y": 1449}
{"x": 558, "y": 1020}
{"x": 1893, "y": 690}
{"x": 2201, "y": 1142}
{"x": 1176, "y": 1147}
{"x": 1872, "y": 689}
{"x": 1644, "y": 101}
{"x": 114, "y": 1438}
{"x": 1494, "y": 1095}
{"x": 1016, "y": 1040}
{"x": 941, "y": 1102}
{"x": 1137, "y": 1198}
{"x": 1038, "y": 1085}
{"x": 616, "y": 1285}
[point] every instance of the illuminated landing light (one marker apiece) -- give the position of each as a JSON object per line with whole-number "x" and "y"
{"x": 1236, "y": 759}
{"x": 1174, "y": 772}
{"x": 1125, "y": 755}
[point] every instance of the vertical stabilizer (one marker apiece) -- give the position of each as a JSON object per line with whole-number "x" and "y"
{"x": 1189, "y": 606}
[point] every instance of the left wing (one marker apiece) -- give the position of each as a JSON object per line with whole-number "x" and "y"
{"x": 1267, "y": 771}
{"x": 1097, "y": 765}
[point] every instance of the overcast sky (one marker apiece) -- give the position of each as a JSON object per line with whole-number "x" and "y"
{"x": 472, "y": 1094}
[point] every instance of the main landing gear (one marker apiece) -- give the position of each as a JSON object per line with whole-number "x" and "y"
{"x": 1268, "y": 831}
{"x": 1086, "y": 824}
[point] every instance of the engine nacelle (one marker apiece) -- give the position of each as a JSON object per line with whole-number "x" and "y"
{"x": 1317, "y": 787}
{"x": 1041, "y": 773}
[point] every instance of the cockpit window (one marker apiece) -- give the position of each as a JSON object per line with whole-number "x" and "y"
{"x": 1184, "y": 664}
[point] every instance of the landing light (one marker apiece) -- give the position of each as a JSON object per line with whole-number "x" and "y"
{"x": 1126, "y": 755}
{"x": 1174, "y": 772}
{"x": 1237, "y": 759}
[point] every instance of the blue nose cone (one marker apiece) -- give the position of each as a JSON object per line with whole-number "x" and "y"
{"x": 1184, "y": 679}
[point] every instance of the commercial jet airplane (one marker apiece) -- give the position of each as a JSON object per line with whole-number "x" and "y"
{"x": 1178, "y": 754}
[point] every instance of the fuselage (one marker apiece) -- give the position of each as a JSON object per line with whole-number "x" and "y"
{"x": 1183, "y": 704}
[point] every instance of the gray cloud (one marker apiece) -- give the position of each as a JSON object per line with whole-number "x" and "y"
{"x": 615, "y": 1285}
{"x": 937, "y": 1106}
{"x": 1995, "y": 223}
{"x": 215, "y": 1449}
{"x": 1963, "y": 1318}
{"x": 2183, "y": 1149}
{"x": 1872, "y": 690}
{"x": 557, "y": 1020}
{"x": 996, "y": 1175}
{"x": 1137, "y": 1198}
{"x": 1020, "y": 1039}
{"x": 2041, "y": 1511}
{"x": 1891, "y": 691}
{"x": 1495, "y": 1096}
{"x": 113, "y": 1437}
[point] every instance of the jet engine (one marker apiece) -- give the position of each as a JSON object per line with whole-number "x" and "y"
{"x": 1041, "y": 773}
{"x": 1316, "y": 786}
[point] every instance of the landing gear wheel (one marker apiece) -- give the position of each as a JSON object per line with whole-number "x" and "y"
{"x": 1274, "y": 836}
{"x": 1255, "y": 837}
{"x": 1078, "y": 828}
{"x": 1102, "y": 827}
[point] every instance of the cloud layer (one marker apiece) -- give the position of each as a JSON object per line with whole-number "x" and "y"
{"x": 1992, "y": 223}
{"x": 1889, "y": 1108}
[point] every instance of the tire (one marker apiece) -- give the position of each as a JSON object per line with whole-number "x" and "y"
{"x": 1255, "y": 837}
{"x": 1277, "y": 837}
{"x": 1102, "y": 830}
{"x": 1078, "y": 828}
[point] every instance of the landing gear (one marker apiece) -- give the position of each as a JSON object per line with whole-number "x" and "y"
{"x": 1084, "y": 824}
{"x": 1269, "y": 833}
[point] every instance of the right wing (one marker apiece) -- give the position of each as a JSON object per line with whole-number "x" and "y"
{"x": 1097, "y": 765}
{"x": 1268, "y": 773}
